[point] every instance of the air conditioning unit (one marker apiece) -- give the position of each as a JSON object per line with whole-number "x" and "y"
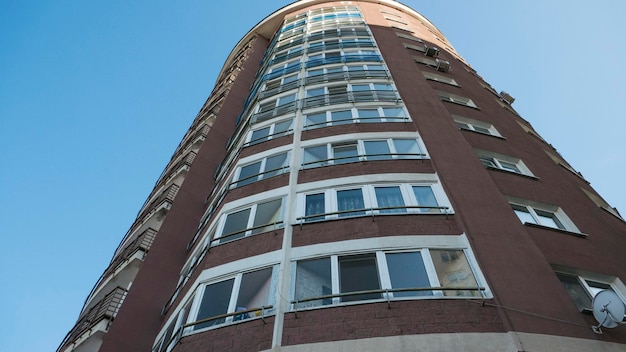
{"x": 442, "y": 65}
{"x": 431, "y": 51}
{"x": 506, "y": 97}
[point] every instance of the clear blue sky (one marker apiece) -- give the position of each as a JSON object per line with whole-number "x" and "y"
{"x": 95, "y": 96}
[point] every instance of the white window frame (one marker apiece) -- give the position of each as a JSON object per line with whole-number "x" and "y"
{"x": 337, "y": 250}
{"x": 498, "y": 162}
{"x": 439, "y": 78}
{"x": 261, "y": 175}
{"x": 195, "y": 307}
{"x": 476, "y": 126}
{"x": 615, "y": 284}
{"x": 370, "y": 202}
{"x": 531, "y": 207}
{"x": 247, "y": 231}
{"x": 355, "y": 115}
{"x": 362, "y": 153}
{"x": 271, "y": 134}
{"x": 456, "y": 99}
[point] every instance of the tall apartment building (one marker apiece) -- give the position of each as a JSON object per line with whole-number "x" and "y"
{"x": 353, "y": 184}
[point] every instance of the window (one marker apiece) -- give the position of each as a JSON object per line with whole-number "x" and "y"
{"x": 425, "y": 61}
{"x": 528, "y": 214}
{"x": 272, "y": 131}
{"x": 409, "y": 37}
{"x": 247, "y": 293}
{"x": 503, "y": 162}
{"x": 275, "y": 107}
{"x": 362, "y": 150}
{"x": 355, "y": 115}
{"x": 371, "y": 200}
{"x": 260, "y": 170}
{"x": 279, "y": 85}
{"x": 348, "y": 93}
{"x": 447, "y": 272}
{"x": 258, "y": 218}
{"x": 419, "y": 48}
{"x": 456, "y": 99}
{"x": 583, "y": 287}
{"x": 468, "y": 124}
{"x": 535, "y": 213}
{"x": 439, "y": 78}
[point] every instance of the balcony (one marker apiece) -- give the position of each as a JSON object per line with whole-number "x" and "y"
{"x": 91, "y": 326}
{"x": 141, "y": 244}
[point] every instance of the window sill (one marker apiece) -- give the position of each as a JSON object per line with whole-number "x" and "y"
{"x": 532, "y": 177}
{"x": 566, "y": 232}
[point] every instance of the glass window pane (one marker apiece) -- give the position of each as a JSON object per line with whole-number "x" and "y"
{"x": 345, "y": 153}
{"x": 315, "y": 156}
{"x": 341, "y": 117}
{"x": 377, "y": 150}
{"x": 481, "y": 129}
{"x": 406, "y": 270}
{"x": 350, "y": 199}
{"x": 249, "y": 174}
{"x": 576, "y": 291}
{"x": 315, "y": 92}
{"x": 509, "y": 166}
{"x": 523, "y": 214}
{"x": 453, "y": 270}
{"x": 369, "y": 115}
{"x": 274, "y": 165}
{"x": 315, "y": 205}
{"x": 394, "y": 112}
{"x": 488, "y": 162}
{"x": 407, "y": 148}
{"x": 425, "y": 197}
{"x": 389, "y": 197}
{"x": 286, "y": 99}
{"x": 267, "y": 213}
{"x": 311, "y": 73}
{"x": 315, "y": 120}
{"x": 378, "y": 86}
{"x": 291, "y": 78}
{"x": 549, "y": 219}
{"x": 358, "y": 273}
{"x": 360, "y": 87}
{"x": 235, "y": 225}
{"x": 282, "y": 128}
{"x": 254, "y": 292}
{"x": 215, "y": 301}
{"x": 313, "y": 279}
{"x": 259, "y": 136}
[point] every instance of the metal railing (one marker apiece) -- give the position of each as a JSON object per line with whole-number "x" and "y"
{"x": 308, "y": 126}
{"x": 362, "y": 212}
{"x": 268, "y": 137}
{"x": 364, "y": 157}
{"x": 273, "y": 112}
{"x": 365, "y": 96}
{"x": 180, "y": 332}
{"x": 386, "y": 295}
{"x": 343, "y": 59}
{"x": 106, "y": 308}
{"x": 276, "y": 225}
{"x": 348, "y": 44}
{"x": 347, "y": 76}
{"x": 142, "y": 242}
{"x": 258, "y": 177}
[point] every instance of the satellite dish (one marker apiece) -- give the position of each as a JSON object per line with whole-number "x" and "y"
{"x": 608, "y": 310}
